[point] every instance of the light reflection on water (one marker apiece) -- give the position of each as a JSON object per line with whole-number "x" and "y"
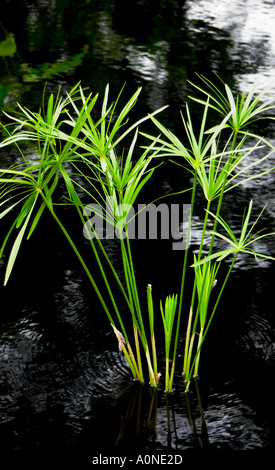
{"x": 152, "y": 66}
{"x": 250, "y": 22}
{"x": 251, "y": 27}
{"x": 227, "y": 415}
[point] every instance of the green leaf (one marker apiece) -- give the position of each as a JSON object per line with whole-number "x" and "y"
{"x": 17, "y": 244}
{"x": 50, "y": 111}
{"x": 25, "y": 209}
{"x": 48, "y": 194}
{"x": 220, "y": 255}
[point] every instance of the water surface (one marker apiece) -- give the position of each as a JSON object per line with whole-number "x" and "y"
{"x": 63, "y": 384}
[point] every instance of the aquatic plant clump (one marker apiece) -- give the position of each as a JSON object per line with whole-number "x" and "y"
{"x": 83, "y": 156}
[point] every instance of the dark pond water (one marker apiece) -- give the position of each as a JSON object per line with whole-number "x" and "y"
{"x": 64, "y": 388}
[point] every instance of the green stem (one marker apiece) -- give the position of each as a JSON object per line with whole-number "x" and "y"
{"x": 137, "y": 372}
{"x": 108, "y": 261}
{"x": 132, "y": 364}
{"x": 79, "y": 206}
{"x": 131, "y": 289}
{"x": 133, "y": 293}
{"x": 91, "y": 279}
{"x": 128, "y": 280}
{"x": 151, "y": 323}
{"x": 221, "y": 195}
{"x": 187, "y": 374}
{"x": 202, "y": 336}
{"x": 138, "y": 354}
{"x": 183, "y": 282}
{"x": 154, "y": 354}
{"x": 150, "y": 368}
{"x": 186, "y": 251}
{"x": 102, "y": 271}
{"x": 133, "y": 282}
{"x": 138, "y": 310}
{"x": 189, "y": 343}
{"x": 220, "y": 294}
{"x": 167, "y": 381}
{"x": 82, "y": 262}
{"x": 212, "y": 315}
{"x": 198, "y": 355}
{"x": 204, "y": 229}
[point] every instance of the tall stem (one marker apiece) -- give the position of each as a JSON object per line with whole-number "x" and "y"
{"x": 198, "y": 355}
{"x": 139, "y": 314}
{"x": 130, "y": 289}
{"x": 77, "y": 203}
{"x": 212, "y": 315}
{"x": 183, "y": 282}
{"x": 131, "y": 361}
{"x": 187, "y": 342}
{"x": 138, "y": 354}
{"x": 221, "y": 195}
{"x": 82, "y": 262}
{"x": 190, "y": 342}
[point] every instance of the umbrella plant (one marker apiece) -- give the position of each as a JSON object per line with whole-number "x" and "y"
{"x": 82, "y": 152}
{"x": 216, "y": 172}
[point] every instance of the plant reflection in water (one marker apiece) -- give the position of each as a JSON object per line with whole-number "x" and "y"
{"x": 139, "y": 424}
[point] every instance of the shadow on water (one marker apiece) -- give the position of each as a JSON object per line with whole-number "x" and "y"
{"x": 65, "y": 391}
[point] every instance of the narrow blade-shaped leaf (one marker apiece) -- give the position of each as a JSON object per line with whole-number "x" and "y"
{"x": 17, "y": 244}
